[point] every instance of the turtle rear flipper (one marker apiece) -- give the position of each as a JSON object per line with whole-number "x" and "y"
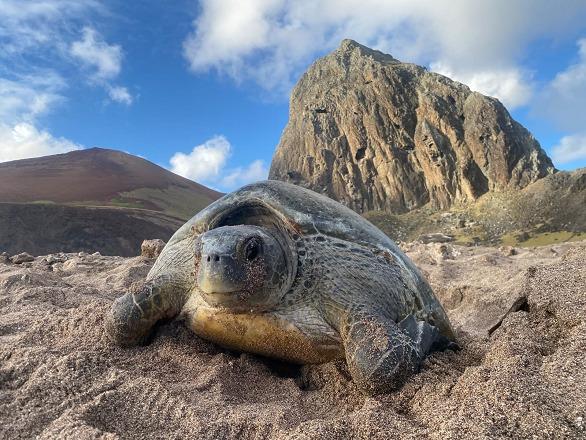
{"x": 133, "y": 316}
{"x": 381, "y": 354}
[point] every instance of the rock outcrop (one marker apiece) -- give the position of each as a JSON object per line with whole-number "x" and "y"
{"x": 152, "y": 248}
{"x": 378, "y": 134}
{"x": 23, "y": 257}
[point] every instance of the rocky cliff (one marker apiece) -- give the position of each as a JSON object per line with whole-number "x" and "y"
{"x": 379, "y": 134}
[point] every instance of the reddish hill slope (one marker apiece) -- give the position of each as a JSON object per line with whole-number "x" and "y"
{"x": 102, "y": 177}
{"x": 92, "y": 200}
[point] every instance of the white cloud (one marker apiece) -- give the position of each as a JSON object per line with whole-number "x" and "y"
{"x": 207, "y": 164}
{"x": 37, "y": 33}
{"x": 120, "y": 94}
{"x": 22, "y": 101}
{"x": 510, "y": 86}
{"x": 204, "y": 162}
{"x": 564, "y": 98}
{"x": 570, "y": 148}
{"x": 25, "y": 25}
{"x": 44, "y": 29}
{"x": 240, "y": 176}
{"x": 29, "y": 96}
{"x": 273, "y": 41}
{"x": 562, "y": 102}
{"x": 96, "y": 54}
{"x": 23, "y": 140}
{"x": 103, "y": 60}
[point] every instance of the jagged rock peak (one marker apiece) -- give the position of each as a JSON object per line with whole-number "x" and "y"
{"x": 349, "y": 48}
{"x": 376, "y": 133}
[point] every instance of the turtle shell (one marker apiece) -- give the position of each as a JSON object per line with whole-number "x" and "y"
{"x": 302, "y": 210}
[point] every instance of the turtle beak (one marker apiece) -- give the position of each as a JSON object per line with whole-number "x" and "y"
{"x": 219, "y": 274}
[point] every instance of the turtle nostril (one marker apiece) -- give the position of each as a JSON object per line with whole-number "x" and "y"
{"x": 212, "y": 257}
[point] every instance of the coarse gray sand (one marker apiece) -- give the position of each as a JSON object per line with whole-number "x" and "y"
{"x": 521, "y": 373}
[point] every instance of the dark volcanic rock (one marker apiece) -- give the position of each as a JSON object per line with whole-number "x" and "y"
{"x": 22, "y": 258}
{"x": 376, "y": 133}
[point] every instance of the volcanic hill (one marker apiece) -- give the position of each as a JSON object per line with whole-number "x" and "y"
{"x": 102, "y": 177}
{"x": 92, "y": 200}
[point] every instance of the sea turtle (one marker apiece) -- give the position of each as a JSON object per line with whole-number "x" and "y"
{"x": 281, "y": 271}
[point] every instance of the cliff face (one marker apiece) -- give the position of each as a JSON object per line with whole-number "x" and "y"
{"x": 378, "y": 134}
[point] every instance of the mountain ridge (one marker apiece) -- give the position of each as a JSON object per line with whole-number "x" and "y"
{"x": 378, "y": 134}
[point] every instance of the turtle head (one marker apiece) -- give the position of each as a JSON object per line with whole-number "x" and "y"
{"x": 242, "y": 267}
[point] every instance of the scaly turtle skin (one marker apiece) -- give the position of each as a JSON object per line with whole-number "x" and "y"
{"x": 281, "y": 271}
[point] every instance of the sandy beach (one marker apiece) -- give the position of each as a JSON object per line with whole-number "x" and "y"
{"x": 520, "y": 316}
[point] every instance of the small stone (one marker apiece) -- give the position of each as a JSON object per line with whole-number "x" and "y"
{"x": 445, "y": 252}
{"x": 509, "y": 251}
{"x": 152, "y": 248}
{"x": 96, "y": 254}
{"x": 71, "y": 264}
{"x": 23, "y": 257}
{"x": 437, "y": 237}
{"x": 50, "y": 259}
{"x": 82, "y": 254}
{"x": 490, "y": 259}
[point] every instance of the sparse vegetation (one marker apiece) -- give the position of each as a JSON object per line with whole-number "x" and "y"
{"x": 175, "y": 201}
{"x": 552, "y": 210}
{"x": 542, "y": 238}
{"x": 126, "y": 203}
{"x": 43, "y": 202}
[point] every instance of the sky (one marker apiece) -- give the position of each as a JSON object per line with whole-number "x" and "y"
{"x": 201, "y": 87}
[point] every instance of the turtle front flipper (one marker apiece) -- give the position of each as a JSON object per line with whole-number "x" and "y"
{"x": 133, "y": 315}
{"x": 381, "y": 354}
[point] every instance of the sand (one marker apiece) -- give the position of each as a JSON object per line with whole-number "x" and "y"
{"x": 521, "y": 373}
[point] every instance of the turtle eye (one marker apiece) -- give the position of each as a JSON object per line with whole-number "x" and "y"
{"x": 252, "y": 249}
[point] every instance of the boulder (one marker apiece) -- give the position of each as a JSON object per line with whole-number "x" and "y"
{"x": 152, "y": 248}
{"x": 23, "y": 257}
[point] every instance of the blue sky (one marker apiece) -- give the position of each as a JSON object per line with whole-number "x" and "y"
{"x": 202, "y": 87}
